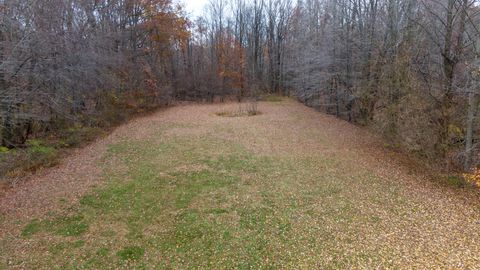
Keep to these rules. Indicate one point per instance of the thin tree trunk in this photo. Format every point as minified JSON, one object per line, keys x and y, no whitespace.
{"x":472,"y":111}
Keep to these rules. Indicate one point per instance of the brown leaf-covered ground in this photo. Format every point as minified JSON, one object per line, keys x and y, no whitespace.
{"x":289,"y":188}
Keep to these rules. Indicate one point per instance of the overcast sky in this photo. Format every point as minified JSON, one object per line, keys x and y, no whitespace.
{"x":195,"y":7}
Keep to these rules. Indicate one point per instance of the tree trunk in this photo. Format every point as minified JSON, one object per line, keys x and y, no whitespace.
{"x":472,"y":111}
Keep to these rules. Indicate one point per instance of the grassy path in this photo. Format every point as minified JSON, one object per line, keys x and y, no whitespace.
{"x":185,"y":188}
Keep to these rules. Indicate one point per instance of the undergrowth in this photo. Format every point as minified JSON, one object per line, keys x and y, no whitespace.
{"x":47,"y":148}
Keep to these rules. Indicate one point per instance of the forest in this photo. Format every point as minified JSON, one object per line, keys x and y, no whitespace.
{"x":408,"y":69}
{"x":250,"y":134}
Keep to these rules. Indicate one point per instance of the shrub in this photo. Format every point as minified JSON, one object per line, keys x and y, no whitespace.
{"x":456,"y":181}
{"x":17,"y":162}
{"x":38,"y":155}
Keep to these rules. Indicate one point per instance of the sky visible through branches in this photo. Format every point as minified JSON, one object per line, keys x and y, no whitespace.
{"x":195,"y":7}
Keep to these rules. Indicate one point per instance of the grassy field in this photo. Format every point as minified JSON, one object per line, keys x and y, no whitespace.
{"x":284,"y":189}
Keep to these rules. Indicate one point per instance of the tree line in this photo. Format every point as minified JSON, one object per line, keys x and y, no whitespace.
{"x":409,"y":69}
{"x":88,"y":62}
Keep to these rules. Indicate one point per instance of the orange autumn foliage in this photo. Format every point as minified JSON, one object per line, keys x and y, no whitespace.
{"x":165,"y":24}
{"x":231,"y":69}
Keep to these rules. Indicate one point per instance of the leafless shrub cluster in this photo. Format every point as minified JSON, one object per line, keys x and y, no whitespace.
{"x":249,"y":108}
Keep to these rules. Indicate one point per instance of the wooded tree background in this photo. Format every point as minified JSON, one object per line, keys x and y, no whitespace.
{"x":409,"y":69}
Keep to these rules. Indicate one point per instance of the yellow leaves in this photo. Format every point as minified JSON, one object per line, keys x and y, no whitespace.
{"x":473,"y":177}
{"x":455,"y":130}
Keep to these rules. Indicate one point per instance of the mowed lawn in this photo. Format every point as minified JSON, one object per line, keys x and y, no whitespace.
{"x":290,"y":188}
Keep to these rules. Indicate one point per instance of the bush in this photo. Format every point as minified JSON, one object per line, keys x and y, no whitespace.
{"x":38,"y":155}
{"x":18,"y":162}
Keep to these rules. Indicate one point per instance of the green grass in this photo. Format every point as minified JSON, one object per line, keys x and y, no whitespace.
{"x":62,"y":225}
{"x":455,"y":181}
{"x":69,"y":226}
{"x":131,"y":253}
{"x":198,"y":202}
{"x":31,"y":228}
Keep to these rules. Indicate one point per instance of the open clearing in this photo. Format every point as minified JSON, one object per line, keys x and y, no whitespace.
{"x":185,"y":188}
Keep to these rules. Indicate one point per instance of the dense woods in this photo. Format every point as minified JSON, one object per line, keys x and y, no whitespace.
{"x":409,"y":69}
{"x":87,"y":62}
